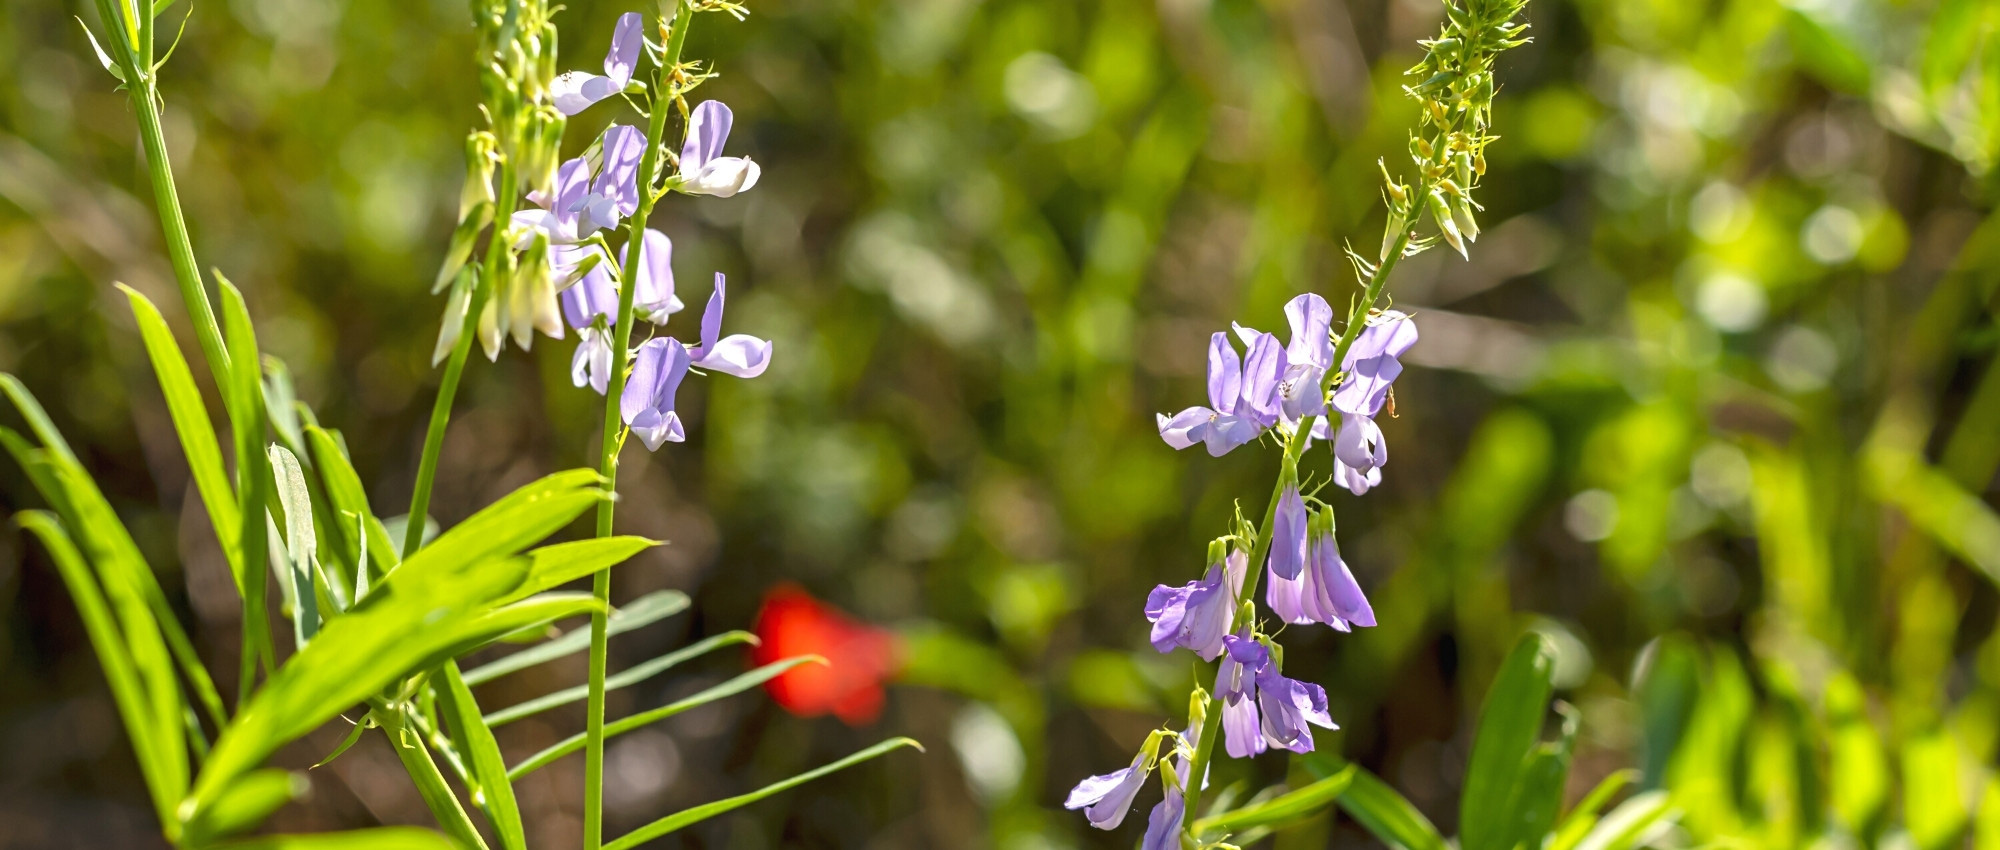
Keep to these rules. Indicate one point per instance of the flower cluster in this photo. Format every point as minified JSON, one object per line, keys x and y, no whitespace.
{"x":1312,"y":386}
{"x":561,"y":273}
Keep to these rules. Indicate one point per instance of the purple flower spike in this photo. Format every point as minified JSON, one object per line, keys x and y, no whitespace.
{"x":1287,"y":706}
{"x":1105,"y":799}
{"x":575,"y":91}
{"x":1163,"y":826}
{"x":1288,"y":535}
{"x":703,"y":168}
{"x":742,"y":355}
{"x":648,"y":402}
{"x":653,"y":299}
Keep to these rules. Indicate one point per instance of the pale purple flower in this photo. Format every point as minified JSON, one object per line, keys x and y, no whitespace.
{"x":1307,"y":357}
{"x":556,"y":214}
{"x":648,"y":401}
{"x":575,"y":91}
{"x":591,"y":297}
{"x":1372,"y":368}
{"x":1325,"y":591}
{"x":1105,"y":799}
{"x":1196,"y":615}
{"x":1288,"y":534}
{"x":1232,"y":419}
{"x":615,"y":192}
{"x":1287,"y":706}
{"x":1236,"y":687}
{"x":742,"y":355}
{"x":703,"y":168}
{"x":1163,"y":825}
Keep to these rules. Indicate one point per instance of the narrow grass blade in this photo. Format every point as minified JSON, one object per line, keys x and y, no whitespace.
{"x":689,"y":817}
{"x":643,"y":611}
{"x":353,"y":737}
{"x":301,"y":542}
{"x":638,"y":673}
{"x":1280,"y":810}
{"x":1510,"y":723}
{"x":343,"y":486}
{"x":726,"y":689}
{"x":379,"y":838}
{"x":493,"y":792}
{"x":1386,"y":815}
{"x":431,"y":786}
{"x":253,"y":482}
{"x":192,"y":425}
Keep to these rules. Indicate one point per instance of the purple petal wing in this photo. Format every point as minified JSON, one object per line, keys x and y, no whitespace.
{"x":1263,"y":372}
{"x":1225,"y":374}
{"x":1312,"y":320}
{"x":708,"y":130}
{"x":1185,"y":428}
{"x":623,"y":56}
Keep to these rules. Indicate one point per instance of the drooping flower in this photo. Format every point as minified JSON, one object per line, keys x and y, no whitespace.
{"x":1372,"y":366}
{"x":1163,"y":825}
{"x":647,"y":404}
{"x":593,"y":296}
{"x":615,"y":192}
{"x":1196,"y":615}
{"x":742,"y":355}
{"x":1107,"y":797}
{"x":1236,"y":687}
{"x":858,"y":657}
{"x":1325,"y":591}
{"x":1242,"y":398}
{"x":1288,"y":534}
{"x":575,"y":91}
{"x":1287,"y":706}
{"x":703,"y":168}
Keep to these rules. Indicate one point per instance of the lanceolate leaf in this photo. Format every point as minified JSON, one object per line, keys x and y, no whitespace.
{"x":701,"y":813}
{"x":301,"y":543}
{"x":643,"y":611}
{"x":1280,"y":810}
{"x":552,"y":566}
{"x":730,"y":688}
{"x":495,"y":794}
{"x":246,"y":416}
{"x":1387,"y":816}
{"x":505,"y":527}
{"x":380,"y":838}
{"x":192,"y":425}
{"x":636,"y":674}
{"x":246,"y":804}
{"x":1509,"y":725}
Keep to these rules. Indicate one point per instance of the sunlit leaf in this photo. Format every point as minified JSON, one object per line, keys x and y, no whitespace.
{"x":643,"y":611}
{"x":689,"y":817}
{"x":1509,"y":725}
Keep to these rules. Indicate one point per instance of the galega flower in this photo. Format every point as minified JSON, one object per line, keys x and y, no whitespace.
{"x":615,"y":192}
{"x":1325,"y":591}
{"x":1372,"y":366}
{"x":742,"y":355}
{"x":1196,"y":615}
{"x":703,"y":168}
{"x":1106,"y":798}
{"x":648,"y":401}
{"x":1261,"y":708}
{"x":1288,"y":535}
{"x":1242,"y":394}
{"x":594,"y":296}
{"x":575,"y":91}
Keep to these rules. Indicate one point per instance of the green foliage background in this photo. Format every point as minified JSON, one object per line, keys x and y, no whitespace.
{"x":1722,"y":369}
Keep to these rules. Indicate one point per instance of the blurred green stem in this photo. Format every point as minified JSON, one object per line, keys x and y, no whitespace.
{"x":666,"y":95}
{"x":454,"y":368}
{"x":1288,"y":473}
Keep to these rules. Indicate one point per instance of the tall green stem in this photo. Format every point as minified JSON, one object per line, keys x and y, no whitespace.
{"x":454,"y":368}
{"x":664,"y":99}
{"x":1288,"y":473}
{"x":180,"y":251}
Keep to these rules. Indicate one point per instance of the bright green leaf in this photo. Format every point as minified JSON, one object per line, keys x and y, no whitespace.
{"x":703,"y":812}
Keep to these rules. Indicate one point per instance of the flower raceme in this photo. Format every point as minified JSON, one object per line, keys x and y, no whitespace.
{"x":1262,"y":709}
{"x":1270,"y":383}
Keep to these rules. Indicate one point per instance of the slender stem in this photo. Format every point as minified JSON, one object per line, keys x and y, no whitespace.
{"x":416,"y":757}
{"x":180,"y":250}
{"x":1288,"y":472}
{"x":454,"y":368}
{"x":621,"y":345}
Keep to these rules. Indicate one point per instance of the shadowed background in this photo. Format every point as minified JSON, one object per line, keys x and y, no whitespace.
{"x":1721,"y":368}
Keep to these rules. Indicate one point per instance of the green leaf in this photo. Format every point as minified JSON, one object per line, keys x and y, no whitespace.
{"x":301,"y":543}
{"x":192,"y":425}
{"x":638,"y":673}
{"x":510,"y":525}
{"x":1625,"y":825}
{"x":245,"y":804}
{"x":1933,"y":804}
{"x":1828,"y":54}
{"x":1509,"y":725}
{"x":643,"y":611}
{"x":379,"y":838}
{"x":618,"y":727}
{"x":353,"y":737}
{"x":253,"y":479}
{"x":550,"y":567}
{"x":1386,"y":815}
{"x":1578,"y":822}
{"x":703,"y":812}
{"x":127,"y":690}
{"x":493,"y":792}
{"x":1539,"y":797}
{"x":1280,"y":810}
{"x":343,"y":486}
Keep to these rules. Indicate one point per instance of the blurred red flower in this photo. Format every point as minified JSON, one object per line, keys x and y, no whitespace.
{"x":859,"y":657}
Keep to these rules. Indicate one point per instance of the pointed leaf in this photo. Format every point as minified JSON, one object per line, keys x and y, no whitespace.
{"x":1387,"y":816}
{"x":246,"y":804}
{"x":643,"y":611}
{"x":192,"y":425}
{"x":637,"y":674}
{"x":1509,"y":725}
{"x":493,"y":793}
{"x":1282,"y":809}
